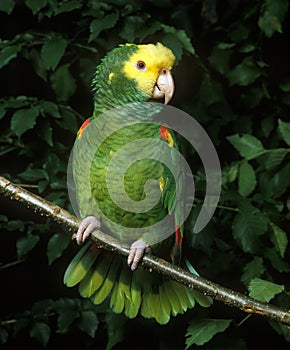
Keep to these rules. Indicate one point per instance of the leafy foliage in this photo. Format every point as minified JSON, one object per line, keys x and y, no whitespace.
{"x":232,"y":75}
{"x":264,"y":290}
{"x":201,"y":331}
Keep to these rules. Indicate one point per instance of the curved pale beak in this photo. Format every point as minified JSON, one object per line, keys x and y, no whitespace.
{"x":164,"y":86}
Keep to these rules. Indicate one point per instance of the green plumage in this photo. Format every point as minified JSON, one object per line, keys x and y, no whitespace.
{"x":102,"y":274}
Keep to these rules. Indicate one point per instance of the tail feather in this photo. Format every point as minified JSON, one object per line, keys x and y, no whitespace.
{"x":176,"y":307}
{"x":116,"y":304}
{"x":81,"y":264}
{"x":156,"y":308}
{"x":101,"y":294}
{"x":95,"y":278}
{"x":164,"y":300}
{"x":121,"y":293}
{"x":202,"y":299}
{"x":102,"y":274}
{"x":182,"y":296}
{"x":135,"y":303}
{"x":190,"y":297}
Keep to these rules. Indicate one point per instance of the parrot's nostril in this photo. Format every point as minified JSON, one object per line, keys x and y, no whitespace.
{"x":164,"y":71}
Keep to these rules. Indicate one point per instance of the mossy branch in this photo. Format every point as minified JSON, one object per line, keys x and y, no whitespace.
{"x":105,"y":241}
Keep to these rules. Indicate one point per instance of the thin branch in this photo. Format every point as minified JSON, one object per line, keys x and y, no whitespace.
{"x":105,"y":241}
{"x":12,"y":264}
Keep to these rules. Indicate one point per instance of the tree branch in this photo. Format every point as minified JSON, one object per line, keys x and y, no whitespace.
{"x":105,"y":241}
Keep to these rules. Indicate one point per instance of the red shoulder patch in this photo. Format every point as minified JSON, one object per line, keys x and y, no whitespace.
{"x":166,"y":135}
{"x":82,"y":128}
{"x":163,"y":132}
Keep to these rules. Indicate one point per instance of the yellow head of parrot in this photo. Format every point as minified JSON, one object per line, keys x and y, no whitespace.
{"x":150,"y":66}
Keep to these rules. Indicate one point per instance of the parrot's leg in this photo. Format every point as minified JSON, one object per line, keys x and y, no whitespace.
{"x":90,"y":223}
{"x":137,"y":250}
{"x":87,"y":226}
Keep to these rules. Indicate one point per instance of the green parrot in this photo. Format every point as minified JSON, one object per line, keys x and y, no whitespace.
{"x":127,"y":78}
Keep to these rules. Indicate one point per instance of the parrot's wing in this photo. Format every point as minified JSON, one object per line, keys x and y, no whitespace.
{"x":172,"y":193}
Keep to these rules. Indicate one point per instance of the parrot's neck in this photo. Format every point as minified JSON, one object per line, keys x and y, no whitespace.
{"x":104,"y":102}
{"x":130,"y":106}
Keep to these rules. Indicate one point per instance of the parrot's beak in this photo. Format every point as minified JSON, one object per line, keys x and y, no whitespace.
{"x":164,"y":86}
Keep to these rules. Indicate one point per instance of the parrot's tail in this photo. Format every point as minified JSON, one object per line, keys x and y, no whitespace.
{"x":101,"y":274}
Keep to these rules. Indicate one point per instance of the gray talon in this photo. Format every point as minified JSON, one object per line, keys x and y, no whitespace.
{"x":86,"y":228}
{"x":137,"y":250}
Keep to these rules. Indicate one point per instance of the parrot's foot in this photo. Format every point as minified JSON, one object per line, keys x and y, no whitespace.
{"x":86,"y":228}
{"x":137,"y":250}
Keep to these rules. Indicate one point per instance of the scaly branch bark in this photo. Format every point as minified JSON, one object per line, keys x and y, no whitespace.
{"x":214,"y":290}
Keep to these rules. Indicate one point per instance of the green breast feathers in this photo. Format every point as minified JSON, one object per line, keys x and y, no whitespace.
{"x":124,"y":184}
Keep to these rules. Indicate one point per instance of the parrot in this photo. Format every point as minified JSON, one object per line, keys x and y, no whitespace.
{"x":130,"y":79}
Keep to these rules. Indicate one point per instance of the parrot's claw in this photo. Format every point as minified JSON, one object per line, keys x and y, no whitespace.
{"x":137,"y":250}
{"x":86,"y":228}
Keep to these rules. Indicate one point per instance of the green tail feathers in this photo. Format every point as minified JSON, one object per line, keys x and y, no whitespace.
{"x":102,"y":274}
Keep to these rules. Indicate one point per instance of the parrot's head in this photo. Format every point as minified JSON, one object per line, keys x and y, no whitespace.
{"x":134,"y":73}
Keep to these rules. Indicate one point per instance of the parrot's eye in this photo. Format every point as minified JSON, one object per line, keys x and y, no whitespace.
{"x":141,"y":65}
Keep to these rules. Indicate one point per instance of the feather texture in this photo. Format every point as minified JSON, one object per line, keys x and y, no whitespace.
{"x":102,"y":275}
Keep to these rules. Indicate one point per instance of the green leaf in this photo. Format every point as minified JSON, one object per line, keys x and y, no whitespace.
{"x":3,"y":335}
{"x":89,"y":322}
{"x":281,"y":329}
{"x":201,"y":331}
{"x":248,"y":146}
{"x":244,"y":73}
{"x":132,"y":28}
{"x":7,"y":6}
{"x":34,"y":56}
{"x":23,"y":120}
{"x":211,"y":91}
{"x":40,"y":331}
{"x":15,"y":225}
{"x":56,"y":245}
{"x":65,"y":319}
{"x":116,"y":328}
{"x":285,"y":86}
{"x":247,"y":179}
{"x":35,"y":5}
{"x":52,"y":165}
{"x":68,"y":120}
{"x":68,"y":310}
{"x":45,"y":132}
{"x":281,"y":181}
{"x":8,"y":53}
{"x":276,"y":260}
{"x":3,"y":108}
{"x":170,"y":41}
{"x":275,"y":157}
{"x":273,"y":16}
{"x":63,"y":83}
{"x":20,"y":324}
{"x":225,"y":46}
{"x":33,"y":175}
{"x":40,"y":308}
{"x":182,"y":37}
{"x":98,"y":25}
{"x":177,"y":40}
{"x":25,"y":244}
{"x":284,"y":129}
{"x":50,"y":108}
{"x":279,"y":238}
{"x":248,"y":225}
{"x":264,"y":290}
{"x":254,"y":268}
{"x":52,"y":52}
{"x":219,"y":59}
{"x":68,"y":6}
{"x":232,"y":172}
